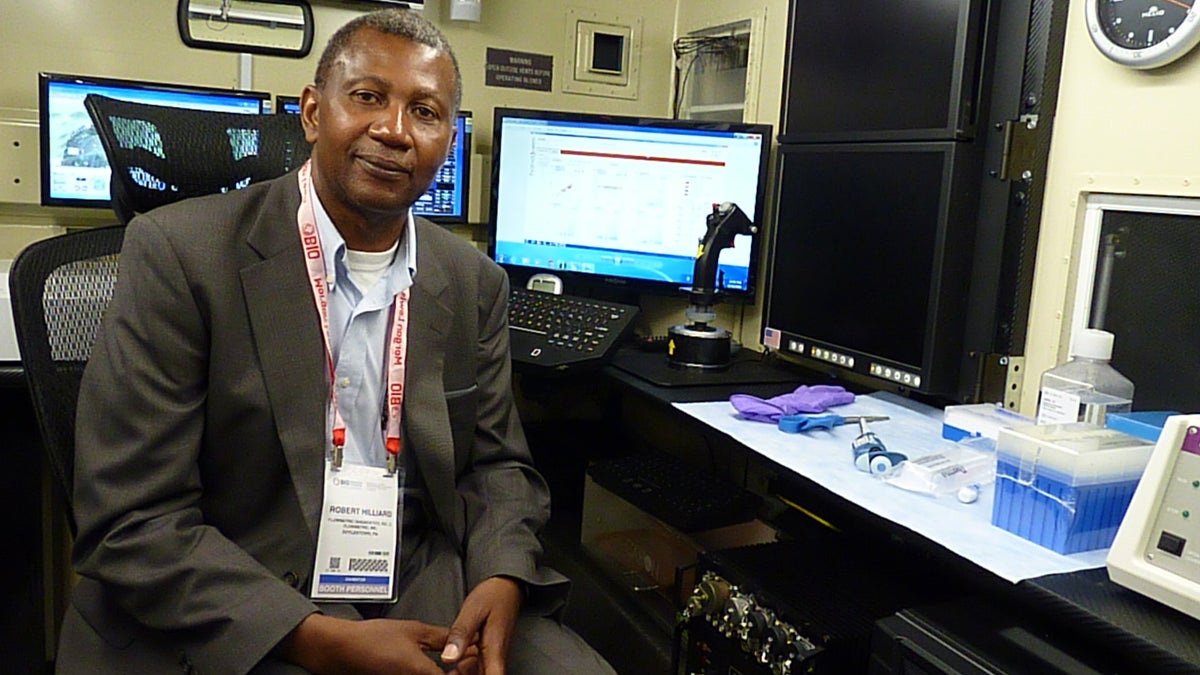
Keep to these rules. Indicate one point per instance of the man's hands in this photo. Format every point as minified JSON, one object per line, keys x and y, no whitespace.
{"x":488,"y":614}
{"x":477,"y":642}
{"x":323,"y":644}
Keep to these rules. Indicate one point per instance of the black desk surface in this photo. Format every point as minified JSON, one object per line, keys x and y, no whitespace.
{"x":1158,"y":636}
{"x":1162,"y":639}
{"x":749,"y":373}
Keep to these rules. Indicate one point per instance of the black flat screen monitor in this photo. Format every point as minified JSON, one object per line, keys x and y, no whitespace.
{"x":861,"y":70}
{"x":287,"y":105}
{"x":871,"y":259}
{"x":618,"y":205}
{"x":447,"y":199}
{"x":74,"y":168}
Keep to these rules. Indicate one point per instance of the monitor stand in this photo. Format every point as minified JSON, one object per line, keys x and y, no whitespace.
{"x":747,"y":367}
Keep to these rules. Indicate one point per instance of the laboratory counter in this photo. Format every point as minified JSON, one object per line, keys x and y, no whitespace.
{"x":812,"y":476}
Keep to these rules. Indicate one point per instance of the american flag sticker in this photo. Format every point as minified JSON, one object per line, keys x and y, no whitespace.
{"x":771,"y":338}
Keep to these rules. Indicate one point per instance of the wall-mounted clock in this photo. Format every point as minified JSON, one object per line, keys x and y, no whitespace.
{"x":1143,"y":33}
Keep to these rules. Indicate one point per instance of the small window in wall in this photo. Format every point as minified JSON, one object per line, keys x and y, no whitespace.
{"x":712,"y":68}
{"x":603,"y":54}
{"x":1138,"y":279}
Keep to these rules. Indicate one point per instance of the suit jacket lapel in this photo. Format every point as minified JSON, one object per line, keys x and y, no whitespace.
{"x":288,"y":341}
{"x":425,"y":411}
{"x":287,"y":338}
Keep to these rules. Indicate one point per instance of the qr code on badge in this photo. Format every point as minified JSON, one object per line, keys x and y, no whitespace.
{"x":335,"y":562}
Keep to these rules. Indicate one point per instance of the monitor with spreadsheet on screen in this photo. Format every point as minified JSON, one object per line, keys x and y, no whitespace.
{"x":619,"y":204}
{"x":74,"y":168}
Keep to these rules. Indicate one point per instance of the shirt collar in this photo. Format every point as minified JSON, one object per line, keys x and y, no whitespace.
{"x":333,"y":246}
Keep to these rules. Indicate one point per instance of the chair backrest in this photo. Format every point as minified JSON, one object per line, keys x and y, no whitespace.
{"x":60,"y":288}
{"x":160,"y":155}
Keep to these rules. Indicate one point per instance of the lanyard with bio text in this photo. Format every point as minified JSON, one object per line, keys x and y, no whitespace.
{"x":397,"y":342}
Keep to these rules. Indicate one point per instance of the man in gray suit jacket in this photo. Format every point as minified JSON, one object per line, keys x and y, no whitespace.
{"x":205,"y":450}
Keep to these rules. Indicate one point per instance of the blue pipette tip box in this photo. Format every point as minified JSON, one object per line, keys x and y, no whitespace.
{"x":1066,"y":486}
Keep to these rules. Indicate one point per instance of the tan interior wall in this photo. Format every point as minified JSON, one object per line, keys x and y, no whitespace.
{"x":137,"y":39}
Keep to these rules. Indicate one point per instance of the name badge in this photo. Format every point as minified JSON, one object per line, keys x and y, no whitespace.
{"x":357,"y":544}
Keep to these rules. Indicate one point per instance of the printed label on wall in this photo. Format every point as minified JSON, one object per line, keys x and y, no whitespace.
{"x":518,"y":70}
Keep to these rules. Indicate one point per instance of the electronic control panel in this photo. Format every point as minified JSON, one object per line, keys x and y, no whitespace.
{"x":765,"y":641}
{"x":790,"y":607}
{"x":1157,"y":548}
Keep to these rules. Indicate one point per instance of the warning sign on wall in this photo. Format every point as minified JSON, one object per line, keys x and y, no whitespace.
{"x":518,"y":70}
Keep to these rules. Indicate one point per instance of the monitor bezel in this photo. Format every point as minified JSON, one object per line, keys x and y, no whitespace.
{"x":283,"y":99}
{"x":625,"y":288}
{"x":945,"y":308}
{"x":957,"y":81}
{"x":46,"y":79}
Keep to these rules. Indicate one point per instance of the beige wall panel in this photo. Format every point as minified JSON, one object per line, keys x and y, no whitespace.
{"x":113,"y":38}
{"x":1117,"y":130}
{"x":18,"y":155}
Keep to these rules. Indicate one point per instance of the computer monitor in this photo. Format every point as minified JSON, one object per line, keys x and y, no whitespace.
{"x":446,"y":200}
{"x":617,"y":205}
{"x":74,"y":168}
{"x":871,"y":259}
{"x":287,"y":105}
{"x":883,"y":71}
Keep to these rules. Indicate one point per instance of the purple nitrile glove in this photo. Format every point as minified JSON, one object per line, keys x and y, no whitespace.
{"x":805,"y":399}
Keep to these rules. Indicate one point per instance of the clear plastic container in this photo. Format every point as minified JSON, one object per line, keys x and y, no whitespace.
{"x":1086,"y":388}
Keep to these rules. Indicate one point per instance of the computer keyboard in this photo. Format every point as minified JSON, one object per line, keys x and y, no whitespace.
{"x":564,"y":332}
{"x":674,"y":491}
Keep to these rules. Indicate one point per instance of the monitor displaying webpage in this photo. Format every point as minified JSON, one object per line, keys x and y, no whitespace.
{"x":621,"y":200}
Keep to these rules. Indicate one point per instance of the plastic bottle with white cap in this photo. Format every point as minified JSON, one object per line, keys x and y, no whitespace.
{"x":1087,"y":387}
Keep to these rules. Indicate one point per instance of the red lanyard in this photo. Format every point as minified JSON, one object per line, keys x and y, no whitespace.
{"x":397,"y":343}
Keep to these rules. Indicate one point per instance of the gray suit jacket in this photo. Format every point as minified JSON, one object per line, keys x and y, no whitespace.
{"x":201,"y":435}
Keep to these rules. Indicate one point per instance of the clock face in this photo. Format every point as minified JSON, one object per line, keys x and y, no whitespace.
{"x":1137,"y":24}
{"x":1143,"y":33}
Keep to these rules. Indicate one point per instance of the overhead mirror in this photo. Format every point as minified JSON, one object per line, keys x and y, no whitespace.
{"x":276,"y":27}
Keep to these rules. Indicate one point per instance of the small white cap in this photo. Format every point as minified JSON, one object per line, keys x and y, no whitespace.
{"x":1092,"y":343}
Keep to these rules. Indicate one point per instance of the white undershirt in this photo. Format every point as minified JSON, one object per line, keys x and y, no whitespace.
{"x":366,"y":267}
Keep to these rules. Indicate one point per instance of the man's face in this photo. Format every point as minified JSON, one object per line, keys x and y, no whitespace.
{"x":381,"y":126}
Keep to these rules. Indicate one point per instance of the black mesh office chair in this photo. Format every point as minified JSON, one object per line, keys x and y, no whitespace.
{"x":161,"y":155}
{"x":60,"y":288}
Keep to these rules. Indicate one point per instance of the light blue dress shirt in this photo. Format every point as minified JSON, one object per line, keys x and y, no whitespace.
{"x":359,"y":321}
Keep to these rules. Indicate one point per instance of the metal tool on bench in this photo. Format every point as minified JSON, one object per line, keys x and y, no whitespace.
{"x":794,"y":424}
{"x":870,"y":454}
